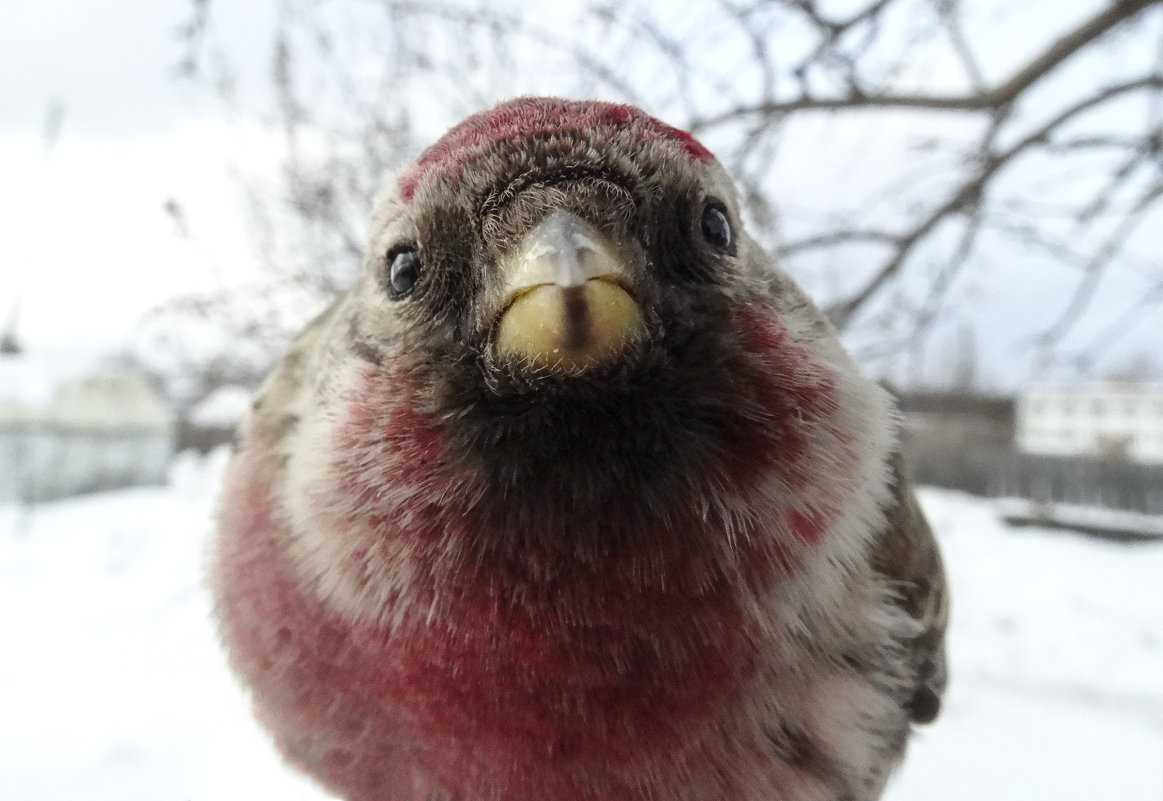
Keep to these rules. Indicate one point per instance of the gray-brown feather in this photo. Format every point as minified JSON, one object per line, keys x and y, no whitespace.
{"x":907,"y":554}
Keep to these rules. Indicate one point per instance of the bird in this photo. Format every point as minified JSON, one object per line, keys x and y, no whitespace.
{"x":575,"y":494}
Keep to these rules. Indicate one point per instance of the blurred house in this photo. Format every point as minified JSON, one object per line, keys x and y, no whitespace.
{"x":1108,"y":421}
{"x":62,"y":438}
{"x":1092,"y":446}
{"x":212,"y":421}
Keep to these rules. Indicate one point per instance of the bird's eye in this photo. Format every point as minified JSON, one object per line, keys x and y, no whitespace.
{"x":716,"y":227}
{"x":403,"y":271}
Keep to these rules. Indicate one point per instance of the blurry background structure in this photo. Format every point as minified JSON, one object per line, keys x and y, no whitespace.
{"x":973,"y":189}
{"x":1115,"y":420}
{"x":102,"y":431}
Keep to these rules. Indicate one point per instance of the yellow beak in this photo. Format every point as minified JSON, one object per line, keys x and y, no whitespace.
{"x":566,"y":305}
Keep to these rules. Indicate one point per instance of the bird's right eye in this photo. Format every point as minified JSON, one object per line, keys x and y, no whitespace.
{"x":403,"y":271}
{"x":716,"y":227}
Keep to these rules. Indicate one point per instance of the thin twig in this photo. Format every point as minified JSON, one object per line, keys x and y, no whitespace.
{"x":1001,"y":95}
{"x":968,"y":192}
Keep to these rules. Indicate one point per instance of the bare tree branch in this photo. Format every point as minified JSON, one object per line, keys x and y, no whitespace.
{"x":949,"y":12}
{"x":970,"y":191}
{"x":1037,"y":68}
{"x":841,"y":236}
{"x":1084,"y":292}
{"x":1125,"y":320}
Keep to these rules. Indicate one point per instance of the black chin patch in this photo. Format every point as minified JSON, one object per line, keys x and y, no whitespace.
{"x":625,"y":440}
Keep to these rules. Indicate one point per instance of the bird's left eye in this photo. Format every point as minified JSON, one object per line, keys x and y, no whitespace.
{"x":403,"y":271}
{"x":716,"y":227}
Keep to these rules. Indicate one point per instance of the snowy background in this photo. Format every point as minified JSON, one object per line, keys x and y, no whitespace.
{"x":120,"y":189}
{"x":113,"y":688}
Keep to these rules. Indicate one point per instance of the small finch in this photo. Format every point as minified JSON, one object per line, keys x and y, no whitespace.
{"x":575,"y":496}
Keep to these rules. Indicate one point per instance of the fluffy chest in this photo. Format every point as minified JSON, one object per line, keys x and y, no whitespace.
{"x":573,"y":668}
{"x":388,"y":649}
{"x":543,"y":688}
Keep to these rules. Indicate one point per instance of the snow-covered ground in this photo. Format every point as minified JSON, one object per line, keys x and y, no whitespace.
{"x":112,"y":687}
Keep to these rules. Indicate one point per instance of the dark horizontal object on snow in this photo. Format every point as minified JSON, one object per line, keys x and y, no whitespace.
{"x":1117,"y":526}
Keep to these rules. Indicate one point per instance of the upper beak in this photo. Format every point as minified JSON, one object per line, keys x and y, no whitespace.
{"x":566,"y":301}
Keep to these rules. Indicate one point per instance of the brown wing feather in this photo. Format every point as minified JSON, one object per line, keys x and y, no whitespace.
{"x":907,"y":554}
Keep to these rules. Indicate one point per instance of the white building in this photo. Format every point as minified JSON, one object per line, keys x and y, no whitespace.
{"x":1113,"y":420}
{"x":61,"y":438}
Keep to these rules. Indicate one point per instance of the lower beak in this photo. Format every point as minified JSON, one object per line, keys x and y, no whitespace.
{"x":566,"y":301}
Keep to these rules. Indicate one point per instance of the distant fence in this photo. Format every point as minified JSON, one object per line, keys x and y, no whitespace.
{"x":993,"y":471}
{"x":41,"y":463}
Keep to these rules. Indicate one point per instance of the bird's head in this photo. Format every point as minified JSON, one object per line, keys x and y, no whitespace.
{"x":562,"y":277}
{"x":563,"y":330}
{"x":555,"y":238}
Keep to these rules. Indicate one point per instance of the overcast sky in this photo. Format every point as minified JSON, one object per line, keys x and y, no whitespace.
{"x":85,"y":243}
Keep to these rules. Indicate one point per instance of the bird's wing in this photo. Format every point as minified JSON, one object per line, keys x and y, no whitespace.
{"x":907,"y":555}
